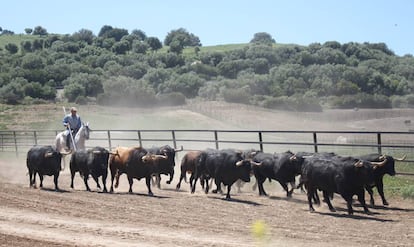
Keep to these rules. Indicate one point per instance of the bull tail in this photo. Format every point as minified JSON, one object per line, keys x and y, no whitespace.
{"x":117,"y":179}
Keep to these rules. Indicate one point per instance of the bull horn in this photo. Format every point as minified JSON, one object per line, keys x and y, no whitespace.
{"x":159,"y":156}
{"x":255,"y":163}
{"x":382,"y":157}
{"x":359,"y":163}
{"x":152,"y":157}
{"x":178,"y":150}
{"x":239,"y":163}
{"x":66,"y":153}
{"x":96,"y":152}
{"x":48,"y":154}
{"x":293,"y":157}
{"x":378,"y":164}
{"x":402,"y":158}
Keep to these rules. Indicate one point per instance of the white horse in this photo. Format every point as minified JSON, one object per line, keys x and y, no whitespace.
{"x":81,"y":136}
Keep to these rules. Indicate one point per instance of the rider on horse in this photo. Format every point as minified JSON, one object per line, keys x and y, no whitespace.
{"x":72,"y":122}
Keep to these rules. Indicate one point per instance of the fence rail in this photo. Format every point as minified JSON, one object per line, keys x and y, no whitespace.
{"x":341,"y":142}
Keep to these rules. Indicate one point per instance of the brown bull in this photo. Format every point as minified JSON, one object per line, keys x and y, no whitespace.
{"x":117,"y":163}
{"x":188,"y":165}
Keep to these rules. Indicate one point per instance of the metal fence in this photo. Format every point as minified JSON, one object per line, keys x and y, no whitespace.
{"x":341,"y":142}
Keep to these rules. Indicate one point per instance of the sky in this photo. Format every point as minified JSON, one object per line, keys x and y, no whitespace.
{"x":218,"y":22}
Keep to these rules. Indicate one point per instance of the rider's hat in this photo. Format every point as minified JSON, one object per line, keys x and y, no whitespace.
{"x":73,"y":109}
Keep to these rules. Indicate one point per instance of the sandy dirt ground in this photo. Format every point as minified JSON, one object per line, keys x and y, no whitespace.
{"x":75,"y":217}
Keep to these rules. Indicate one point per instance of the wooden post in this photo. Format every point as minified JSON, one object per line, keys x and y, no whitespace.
{"x":173,"y":139}
{"x":315,"y":142}
{"x":15,"y":143}
{"x":109,"y":139}
{"x":140,"y":138}
{"x":379,"y":143}
{"x":35,"y":137}
{"x":260,"y":141}
{"x":216,"y":139}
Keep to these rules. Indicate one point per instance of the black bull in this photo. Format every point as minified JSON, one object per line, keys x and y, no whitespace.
{"x":224,"y":166}
{"x":282,"y":167}
{"x":43,"y":160}
{"x":346,"y":176}
{"x":165,"y":166}
{"x":387,"y":168}
{"x":142,"y":164}
{"x":92,"y":162}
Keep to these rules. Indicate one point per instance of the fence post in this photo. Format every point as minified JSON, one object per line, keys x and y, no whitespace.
{"x":35,"y":137}
{"x":109,"y":139}
{"x":260,"y":141}
{"x":216,"y":139}
{"x":15,"y":143}
{"x":315,"y":142}
{"x":173,"y":139}
{"x":379,"y":143}
{"x":139,"y":138}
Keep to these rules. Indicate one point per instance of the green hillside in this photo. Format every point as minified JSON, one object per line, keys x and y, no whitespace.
{"x":129,"y":69}
{"x":15,"y":39}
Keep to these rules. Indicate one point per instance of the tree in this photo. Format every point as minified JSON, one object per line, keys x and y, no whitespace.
{"x":139,"y":34}
{"x":72,"y":91}
{"x":104,"y":30}
{"x":121,"y":47}
{"x":154,"y":43}
{"x":7,"y":32}
{"x":176,"y":46}
{"x":116,"y":33}
{"x":39,"y":30}
{"x":183,"y":37}
{"x":37,"y":44}
{"x":91,"y":84}
{"x":28,"y":30}
{"x":13,"y":92}
{"x":26,"y":46}
{"x":263,"y":38}
{"x":140,"y":47}
{"x":187,"y":84}
{"x":84,"y":35}
{"x":12,"y":48}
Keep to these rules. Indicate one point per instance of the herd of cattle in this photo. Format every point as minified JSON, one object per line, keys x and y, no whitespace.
{"x":327,"y":172}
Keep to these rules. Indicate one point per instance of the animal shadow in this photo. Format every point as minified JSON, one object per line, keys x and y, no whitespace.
{"x":53,"y":190}
{"x":387,"y":208}
{"x":290,"y":199}
{"x":236,"y":200}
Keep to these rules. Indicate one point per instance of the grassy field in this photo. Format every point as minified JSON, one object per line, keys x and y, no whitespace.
{"x":15,"y":39}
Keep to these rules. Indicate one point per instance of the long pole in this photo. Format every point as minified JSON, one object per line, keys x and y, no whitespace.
{"x":70,"y":132}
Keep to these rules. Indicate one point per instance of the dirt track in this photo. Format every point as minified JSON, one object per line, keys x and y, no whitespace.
{"x":43,"y":217}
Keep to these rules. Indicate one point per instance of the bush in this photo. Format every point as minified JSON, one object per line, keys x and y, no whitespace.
{"x":81,"y":100}
{"x":361,"y":100}
{"x":278,"y":103}
{"x":236,"y":95}
{"x":171,"y":99}
{"x":295,"y":103}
